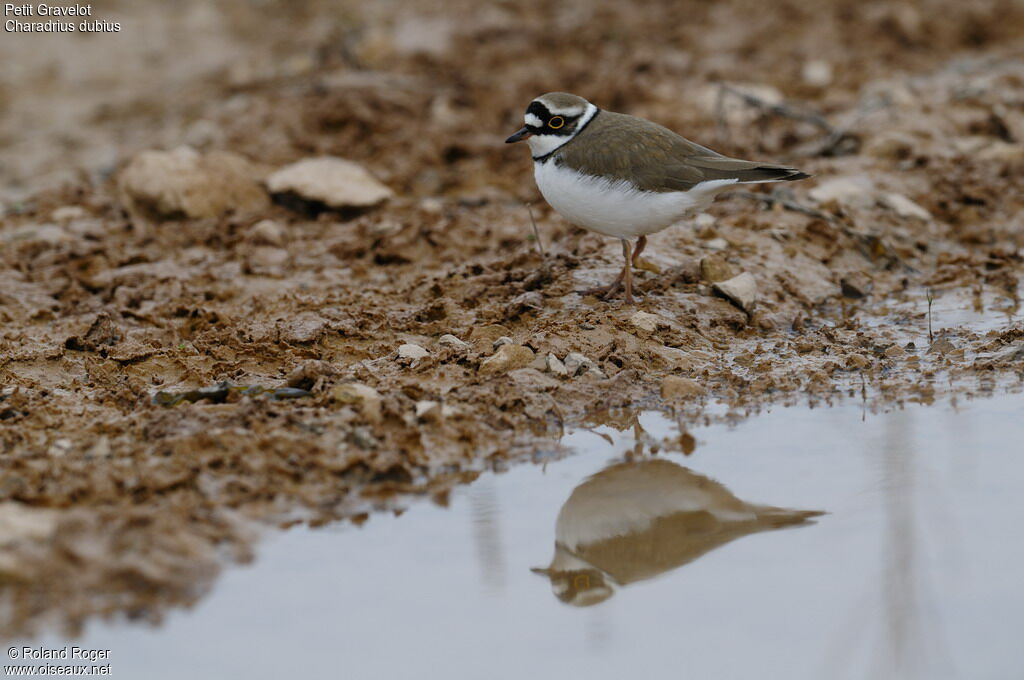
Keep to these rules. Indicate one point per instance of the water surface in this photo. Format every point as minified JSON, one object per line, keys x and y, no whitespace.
{"x":914,"y":572}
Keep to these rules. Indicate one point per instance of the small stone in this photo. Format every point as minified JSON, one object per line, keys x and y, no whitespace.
{"x":856,"y":285}
{"x":268,"y":256}
{"x":816,"y":73}
{"x":714,"y":268}
{"x":335,"y":182}
{"x":449,"y":340}
{"x":507,"y":358}
{"x":267,"y":232}
{"x":428,"y":411}
{"x":503,"y":340}
{"x":740,"y":290}
{"x":704,"y":221}
{"x":717,"y":244}
{"x":68,"y":213}
{"x":648,"y":323}
{"x":577,"y":364}
{"x":60,"y":447}
{"x":554,"y":365}
{"x":903,"y":206}
{"x":678,"y":387}
{"x":365,"y":397}
{"x":411,"y":352}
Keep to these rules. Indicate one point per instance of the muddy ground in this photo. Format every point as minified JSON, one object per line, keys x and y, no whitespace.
{"x":124,"y":490}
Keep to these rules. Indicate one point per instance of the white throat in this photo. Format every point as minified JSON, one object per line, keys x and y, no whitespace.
{"x":542,"y":145}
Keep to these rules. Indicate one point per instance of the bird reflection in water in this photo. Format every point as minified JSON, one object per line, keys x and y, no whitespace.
{"x":635,"y":520}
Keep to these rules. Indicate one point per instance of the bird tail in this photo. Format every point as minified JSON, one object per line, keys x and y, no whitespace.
{"x":781,"y":517}
{"x":745,"y":172}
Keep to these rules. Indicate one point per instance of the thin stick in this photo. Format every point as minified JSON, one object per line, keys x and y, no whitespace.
{"x":536,"y":232}
{"x":931,"y":299}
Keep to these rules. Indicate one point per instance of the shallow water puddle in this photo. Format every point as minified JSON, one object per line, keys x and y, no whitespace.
{"x":664,"y":566}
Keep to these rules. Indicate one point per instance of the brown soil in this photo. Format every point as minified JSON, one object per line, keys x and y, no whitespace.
{"x":113,"y":502}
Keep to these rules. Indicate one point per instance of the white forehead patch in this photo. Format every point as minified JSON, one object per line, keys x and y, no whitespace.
{"x":533,"y":120}
{"x":567,"y":111}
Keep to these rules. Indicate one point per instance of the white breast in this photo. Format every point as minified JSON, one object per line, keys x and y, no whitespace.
{"x":617,"y":208}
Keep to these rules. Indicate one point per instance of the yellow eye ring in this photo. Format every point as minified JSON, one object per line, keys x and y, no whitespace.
{"x":556,"y":123}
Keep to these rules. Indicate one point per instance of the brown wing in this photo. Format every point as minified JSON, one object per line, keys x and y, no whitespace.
{"x":656,"y":159}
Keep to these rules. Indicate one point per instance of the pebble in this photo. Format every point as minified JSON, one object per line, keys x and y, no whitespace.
{"x":903,"y":206}
{"x":411,"y":352}
{"x":365,"y":397}
{"x":554,"y":365}
{"x":503,"y":340}
{"x":714,"y":268}
{"x":335,"y":182}
{"x":68,"y":213}
{"x":740,"y":290}
{"x":267,"y":232}
{"x":704,"y":221}
{"x":507,"y":358}
{"x":577,"y":364}
{"x":449,"y":340}
{"x":649,"y":323}
{"x":678,"y":387}
{"x":717,"y":244}
{"x":817,"y":73}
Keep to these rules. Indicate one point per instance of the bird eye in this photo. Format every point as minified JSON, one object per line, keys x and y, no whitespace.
{"x":556,"y":122}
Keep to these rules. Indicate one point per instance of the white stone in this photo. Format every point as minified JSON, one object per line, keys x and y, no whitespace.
{"x":846,"y":191}
{"x":903,"y":206}
{"x":554,"y":365}
{"x":412,"y":352}
{"x":335,"y":182}
{"x":817,"y":73}
{"x":267,"y":232}
{"x":449,"y":340}
{"x":740,"y":290}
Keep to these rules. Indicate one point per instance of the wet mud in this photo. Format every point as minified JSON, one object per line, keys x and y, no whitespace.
{"x":179,"y":370}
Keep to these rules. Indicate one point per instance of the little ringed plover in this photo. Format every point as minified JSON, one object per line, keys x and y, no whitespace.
{"x":624,"y":176}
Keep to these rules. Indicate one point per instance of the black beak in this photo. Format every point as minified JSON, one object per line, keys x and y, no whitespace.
{"x":519,"y":136}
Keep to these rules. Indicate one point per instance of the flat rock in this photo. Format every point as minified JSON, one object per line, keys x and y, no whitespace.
{"x":185,"y":183}
{"x":507,"y":358}
{"x":675,"y":387}
{"x":740,"y":290}
{"x":335,"y":182}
